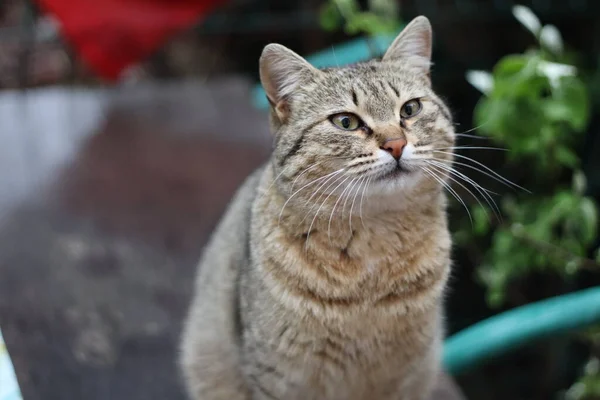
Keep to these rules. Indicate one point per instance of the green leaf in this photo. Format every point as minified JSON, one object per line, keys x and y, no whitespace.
{"x":530,"y":87}
{"x":566,"y":157}
{"x":481,"y":220}
{"x":330,"y":18}
{"x":503,"y":241}
{"x":557,"y":110}
{"x":573,"y":97}
{"x":590,"y":219}
{"x":579,"y":182}
{"x":495,"y":298}
{"x":510,"y":65}
{"x":572,"y":267}
{"x":388,"y":8}
{"x":347,"y":7}
{"x":369,"y":23}
{"x":535,"y":107}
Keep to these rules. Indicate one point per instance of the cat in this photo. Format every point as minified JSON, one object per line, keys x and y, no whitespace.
{"x":325,"y":278}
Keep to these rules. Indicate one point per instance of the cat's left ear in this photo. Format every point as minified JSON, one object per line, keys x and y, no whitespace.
{"x":413,"y":44}
{"x":281,"y":72}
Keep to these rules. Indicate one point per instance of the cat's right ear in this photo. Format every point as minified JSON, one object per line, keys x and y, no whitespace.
{"x":281,"y":71}
{"x":413,"y":44}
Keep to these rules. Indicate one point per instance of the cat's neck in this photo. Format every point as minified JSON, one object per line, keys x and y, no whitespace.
{"x":393,"y":260}
{"x":341,"y":217}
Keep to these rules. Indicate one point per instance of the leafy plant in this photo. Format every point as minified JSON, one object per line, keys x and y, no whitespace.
{"x":381,"y":17}
{"x":537,"y":105}
{"x":588,"y":385}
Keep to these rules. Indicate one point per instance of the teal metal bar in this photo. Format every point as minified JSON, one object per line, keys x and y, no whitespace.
{"x":347,"y":53}
{"x":524,"y":325}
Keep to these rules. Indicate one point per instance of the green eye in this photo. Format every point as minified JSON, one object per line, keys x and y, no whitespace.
{"x":411,"y":108}
{"x":346,"y":121}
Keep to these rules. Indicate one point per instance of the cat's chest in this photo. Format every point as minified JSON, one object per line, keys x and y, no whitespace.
{"x":307,"y":365}
{"x":370,"y":256}
{"x":369,"y":267}
{"x":364,"y":245}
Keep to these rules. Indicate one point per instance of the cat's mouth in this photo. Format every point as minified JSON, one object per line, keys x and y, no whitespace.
{"x":395,"y":172}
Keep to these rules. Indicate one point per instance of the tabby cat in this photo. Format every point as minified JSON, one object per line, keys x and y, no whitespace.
{"x":325,"y":277}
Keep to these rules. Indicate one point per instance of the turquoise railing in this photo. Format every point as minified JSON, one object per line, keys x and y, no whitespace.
{"x":513,"y":329}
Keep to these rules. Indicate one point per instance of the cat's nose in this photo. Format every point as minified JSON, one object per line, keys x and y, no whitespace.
{"x":395,"y":147}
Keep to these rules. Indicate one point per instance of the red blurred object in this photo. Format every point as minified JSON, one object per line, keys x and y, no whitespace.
{"x":111,"y":35}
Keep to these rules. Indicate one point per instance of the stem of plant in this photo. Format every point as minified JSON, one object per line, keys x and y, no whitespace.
{"x":582,"y":262}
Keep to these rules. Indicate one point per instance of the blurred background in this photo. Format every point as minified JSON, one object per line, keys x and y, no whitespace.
{"x":125,"y":127}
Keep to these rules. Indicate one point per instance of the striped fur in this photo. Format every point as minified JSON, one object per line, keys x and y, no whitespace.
{"x":325,"y":278}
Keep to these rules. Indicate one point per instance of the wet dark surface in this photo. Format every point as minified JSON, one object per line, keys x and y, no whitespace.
{"x":106,"y":201}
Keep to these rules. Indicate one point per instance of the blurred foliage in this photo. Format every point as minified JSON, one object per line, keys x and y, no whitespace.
{"x":588,"y":386}
{"x":537,"y":105}
{"x":381,"y":17}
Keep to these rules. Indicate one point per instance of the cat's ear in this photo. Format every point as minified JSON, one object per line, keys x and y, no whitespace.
{"x":281,"y":71}
{"x":413,"y":44}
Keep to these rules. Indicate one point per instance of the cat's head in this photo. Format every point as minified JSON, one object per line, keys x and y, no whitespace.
{"x":377,"y":123}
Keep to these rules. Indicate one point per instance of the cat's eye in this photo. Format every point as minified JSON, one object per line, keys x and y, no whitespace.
{"x":411,"y":108}
{"x":346,"y":121}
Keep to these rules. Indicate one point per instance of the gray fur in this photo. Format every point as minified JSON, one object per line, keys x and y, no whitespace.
{"x":324,"y":280}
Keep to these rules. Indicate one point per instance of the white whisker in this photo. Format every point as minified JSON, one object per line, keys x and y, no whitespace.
{"x":365,"y":188}
{"x":319,"y":209}
{"x":470,"y":148}
{"x":359,"y":182}
{"x":305,"y":186}
{"x":363,"y":179}
{"x":471,"y":136}
{"x":314,"y":165}
{"x":274,"y":180}
{"x":321,"y":194}
{"x":335,"y":205}
{"x":481,"y":190}
{"x":499,"y":177}
{"x":449,"y":189}
{"x":472,"y":129}
{"x":334,"y":56}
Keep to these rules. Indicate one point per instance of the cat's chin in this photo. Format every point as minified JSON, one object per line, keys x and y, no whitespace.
{"x":395,"y":181}
{"x":394,"y":174}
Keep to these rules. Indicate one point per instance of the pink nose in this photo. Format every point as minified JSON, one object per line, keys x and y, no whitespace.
{"x":395,"y":147}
